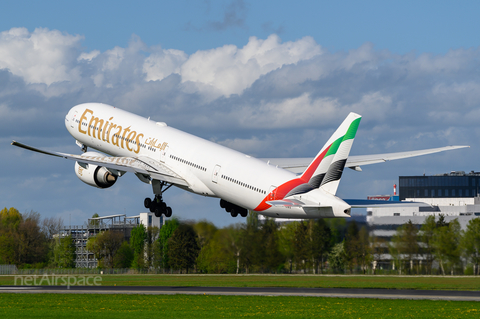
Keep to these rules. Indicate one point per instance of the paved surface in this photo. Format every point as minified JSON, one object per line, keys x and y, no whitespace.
{"x":243,"y":291}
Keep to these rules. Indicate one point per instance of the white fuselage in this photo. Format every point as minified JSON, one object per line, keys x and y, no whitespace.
{"x":209,"y":168}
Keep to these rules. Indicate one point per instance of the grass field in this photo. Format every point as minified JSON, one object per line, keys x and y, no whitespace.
{"x":205,"y":306}
{"x":314,"y":281}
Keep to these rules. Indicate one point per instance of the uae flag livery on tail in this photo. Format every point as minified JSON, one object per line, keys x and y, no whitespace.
{"x":326,"y":169}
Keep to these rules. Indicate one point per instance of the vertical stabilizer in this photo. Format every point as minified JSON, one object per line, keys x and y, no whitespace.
{"x":326,"y":169}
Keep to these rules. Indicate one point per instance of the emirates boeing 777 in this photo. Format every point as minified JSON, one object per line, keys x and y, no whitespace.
{"x":164,"y":156}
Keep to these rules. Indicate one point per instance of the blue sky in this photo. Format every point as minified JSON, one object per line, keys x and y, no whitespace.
{"x":189,"y":25}
{"x":268,"y":78}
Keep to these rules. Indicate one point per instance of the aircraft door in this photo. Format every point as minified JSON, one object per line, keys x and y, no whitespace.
{"x":216,"y":173}
{"x":163,"y":154}
{"x":272,"y":193}
{"x":72,"y":120}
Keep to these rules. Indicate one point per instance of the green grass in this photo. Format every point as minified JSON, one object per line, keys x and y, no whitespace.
{"x":340,"y":281}
{"x":208,"y":306}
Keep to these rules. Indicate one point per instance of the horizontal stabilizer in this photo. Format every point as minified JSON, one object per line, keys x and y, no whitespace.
{"x":286,"y":202}
{"x":364,"y":203}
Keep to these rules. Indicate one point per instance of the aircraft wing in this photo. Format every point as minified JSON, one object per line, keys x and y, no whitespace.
{"x":298,"y":165}
{"x":139,"y":165}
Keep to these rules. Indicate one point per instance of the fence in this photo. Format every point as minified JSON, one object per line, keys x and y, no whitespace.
{"x":8,"y":269}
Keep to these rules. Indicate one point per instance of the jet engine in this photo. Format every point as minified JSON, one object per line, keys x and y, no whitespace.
{"x":94,"y":175}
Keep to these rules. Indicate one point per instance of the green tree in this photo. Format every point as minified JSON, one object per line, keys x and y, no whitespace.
{"x":151,"y":246}
{"x":64,"y":252}
{"x":286,"y":237}
{"x":321,"y":242}
{"x":165,"y":233}
{"x":183,"y":248}
{"x":249,"y":243}
{"x":138,"y":237}
{"x":365,"y":251}
{"x":446,"y":242}
{"x":234,"y":240}
{"x":426,"y":238}
{"x":104,"y":246}
{"x":471,"y":243}
{"x":205,"y":231}
{"x":123,"y":258}
{"x":338,"y":227}
{"x":352,"y":245}
{"x":22,"y":241}
{"x":31,"y":243}
{"x":379,"y":248}
{"x":301,"y":246}
{"x":336,"y":258}
{"x":269,"y":236}
{"x":219,"y":254}
{"x":405,"y":242}
{"x":10,"y":219}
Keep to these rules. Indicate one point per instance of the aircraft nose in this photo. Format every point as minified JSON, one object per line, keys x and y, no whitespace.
{"x":69,"y":118}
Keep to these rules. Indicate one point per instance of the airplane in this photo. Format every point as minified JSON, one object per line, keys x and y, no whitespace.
{"x":163,"y":156}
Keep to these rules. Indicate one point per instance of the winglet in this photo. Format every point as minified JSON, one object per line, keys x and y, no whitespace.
{"x":15,"y":143}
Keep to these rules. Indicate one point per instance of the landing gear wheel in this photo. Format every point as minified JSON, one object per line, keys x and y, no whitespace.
{"x":223,"y":203}
{"x":244,"y":213}
{"x":147,"y":202}
{"x":157,"y":205}
{"x":153,"y":205}
{"x":233,"y":212}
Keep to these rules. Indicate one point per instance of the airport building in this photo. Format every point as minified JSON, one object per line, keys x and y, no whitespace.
{"x":450,"y":185}
{"x":453,"y":195}
{"x":94,"y":226}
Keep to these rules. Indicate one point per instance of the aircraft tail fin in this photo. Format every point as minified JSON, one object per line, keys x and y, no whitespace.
{"x":326,"y":169}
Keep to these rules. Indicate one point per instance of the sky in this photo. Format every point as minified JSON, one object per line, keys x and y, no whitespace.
{"x":267,"y":78}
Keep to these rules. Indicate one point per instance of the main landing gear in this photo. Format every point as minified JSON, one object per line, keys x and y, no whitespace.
{"x":233,"y":209}
{"x":157,"y":205}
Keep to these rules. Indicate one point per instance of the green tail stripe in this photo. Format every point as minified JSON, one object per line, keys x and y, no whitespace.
{"x":333,"y":149}
{"x":352,"y":130}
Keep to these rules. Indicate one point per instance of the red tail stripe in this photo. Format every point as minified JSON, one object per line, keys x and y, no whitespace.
{"x":285,"y":188}
{"x":313,"y":166}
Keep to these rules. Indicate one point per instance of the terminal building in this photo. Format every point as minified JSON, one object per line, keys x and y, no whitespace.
{"x":454,"y":195}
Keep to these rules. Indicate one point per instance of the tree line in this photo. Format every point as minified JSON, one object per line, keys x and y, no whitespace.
{"x":29,"y":242}
{"x":313,"y":246}
{"x":437,"y":247}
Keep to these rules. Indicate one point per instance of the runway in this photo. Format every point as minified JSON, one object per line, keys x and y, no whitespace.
{"x":245,"y":291}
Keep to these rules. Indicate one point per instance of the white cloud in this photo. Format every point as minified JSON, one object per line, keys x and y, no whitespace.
{"x":162,"y":63}
{"x":42,"y":56}
{"x":230,"y":70}
{"x":88,"y":56}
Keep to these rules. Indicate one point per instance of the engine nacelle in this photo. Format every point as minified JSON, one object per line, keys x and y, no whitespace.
{"x":94,"y":175}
